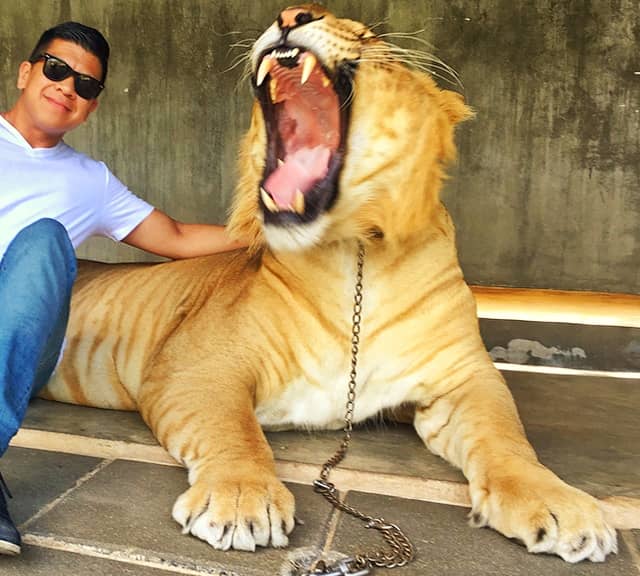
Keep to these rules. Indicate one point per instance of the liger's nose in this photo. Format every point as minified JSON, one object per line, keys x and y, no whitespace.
{"x":294,"y":17}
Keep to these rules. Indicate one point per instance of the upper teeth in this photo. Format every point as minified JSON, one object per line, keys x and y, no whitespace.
{"x":270,"y":60}
{"x":291,"y":53}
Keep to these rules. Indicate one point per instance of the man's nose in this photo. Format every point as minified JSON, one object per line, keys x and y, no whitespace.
{"x":68,"y":86}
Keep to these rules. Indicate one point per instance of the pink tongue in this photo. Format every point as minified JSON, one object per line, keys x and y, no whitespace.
{"x":299,"y":172}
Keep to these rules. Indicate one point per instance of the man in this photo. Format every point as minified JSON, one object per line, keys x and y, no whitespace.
{"x":51,"y":199}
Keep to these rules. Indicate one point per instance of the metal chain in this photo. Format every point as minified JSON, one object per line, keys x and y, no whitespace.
{"x":402,"y":550}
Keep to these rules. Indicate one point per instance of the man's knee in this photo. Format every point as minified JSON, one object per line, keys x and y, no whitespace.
{"x":47,"y":240}
{"x":48,"y":232}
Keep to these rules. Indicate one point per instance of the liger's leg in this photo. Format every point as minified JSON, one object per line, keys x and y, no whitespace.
{"x":204,"y":416}
{"x":476,"y":427}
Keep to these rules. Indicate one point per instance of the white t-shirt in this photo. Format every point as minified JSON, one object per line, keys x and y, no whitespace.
{"x":63,"y":184}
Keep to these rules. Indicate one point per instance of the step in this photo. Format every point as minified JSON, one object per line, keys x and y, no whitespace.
{"x":106,"y":465}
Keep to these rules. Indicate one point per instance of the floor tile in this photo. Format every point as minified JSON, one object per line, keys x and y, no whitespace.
{"x":634,"y":539}
{"x":129,"y":504}
{"x":584,"y":428}
{"x":447,"y":546}
{"x":35,"y":561}
{"x":36,"y":478}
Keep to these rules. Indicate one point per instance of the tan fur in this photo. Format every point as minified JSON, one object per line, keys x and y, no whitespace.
{"x":210,"y":348}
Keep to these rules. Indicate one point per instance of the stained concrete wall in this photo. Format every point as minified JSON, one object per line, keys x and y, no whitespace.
{"x":547,"y":189}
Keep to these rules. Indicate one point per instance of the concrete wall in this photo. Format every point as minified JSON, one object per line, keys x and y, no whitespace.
{"x":547,"y":190}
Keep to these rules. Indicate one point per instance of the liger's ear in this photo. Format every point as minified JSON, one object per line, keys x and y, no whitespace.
{"x":455,"y":110}
{"x":453,"y":104}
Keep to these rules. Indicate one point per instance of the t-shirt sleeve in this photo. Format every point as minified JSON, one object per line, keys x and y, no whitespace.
{"x":123,"y":210}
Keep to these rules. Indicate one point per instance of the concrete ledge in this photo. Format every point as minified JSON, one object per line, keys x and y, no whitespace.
{"x":595,"y":308}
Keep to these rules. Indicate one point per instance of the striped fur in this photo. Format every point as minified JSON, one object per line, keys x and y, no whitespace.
{"x":210,"y":350}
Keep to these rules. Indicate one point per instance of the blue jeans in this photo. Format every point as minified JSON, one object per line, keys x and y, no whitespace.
{"x":36,"y":276}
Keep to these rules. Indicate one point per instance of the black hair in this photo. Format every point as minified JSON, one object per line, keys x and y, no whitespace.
{"x":88,"y":38}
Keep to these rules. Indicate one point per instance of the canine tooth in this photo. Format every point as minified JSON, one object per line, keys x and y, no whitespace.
{"x":265,"y":67}
{"x":280,"y":162}
{"x":325,"y":81}
{"x":307,"y":67}
{"x":273,"y":90}
{"x":298,"y":202}
{"x":268,"y":201}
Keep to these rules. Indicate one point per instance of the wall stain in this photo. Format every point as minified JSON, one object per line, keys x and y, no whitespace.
{"x":546,"y":191}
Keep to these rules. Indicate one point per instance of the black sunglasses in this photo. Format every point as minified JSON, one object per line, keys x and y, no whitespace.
{"x":55,"y":69}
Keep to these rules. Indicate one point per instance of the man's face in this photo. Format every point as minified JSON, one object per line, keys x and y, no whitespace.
{"x":54,"y":108}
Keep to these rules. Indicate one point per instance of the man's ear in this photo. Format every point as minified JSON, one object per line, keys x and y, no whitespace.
{"x":23,"y":74}
{"x":93,"y":105}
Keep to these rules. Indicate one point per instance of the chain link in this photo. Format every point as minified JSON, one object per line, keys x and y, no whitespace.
{"x":402,"y":550}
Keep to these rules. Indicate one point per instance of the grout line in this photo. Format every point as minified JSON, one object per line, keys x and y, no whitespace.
{"x":332,"y":527}
{"x":306,"y":558}
{"x":629,"y":540}
{"x":129,"y":555}
{"x":51,"y":505}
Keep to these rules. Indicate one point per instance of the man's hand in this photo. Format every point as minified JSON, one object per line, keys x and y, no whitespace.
{"x":164,"y":236}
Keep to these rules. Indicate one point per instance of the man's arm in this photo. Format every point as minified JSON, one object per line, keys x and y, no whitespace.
{"x":164,"y":236}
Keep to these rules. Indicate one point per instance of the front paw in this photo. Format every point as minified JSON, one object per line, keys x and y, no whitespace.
{"x":547,"y":515}
{"x":239,"y":512}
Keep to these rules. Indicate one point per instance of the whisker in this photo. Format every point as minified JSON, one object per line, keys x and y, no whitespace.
{"x":418,"y":59}
{"x":246,"y":43}
{"x":377,"y":24}
{"x":244,"y":77}
{"x":256,"y":32}
{"x":233,"y":65}
{"x":348,"y":99}
{"x":437,"y":72}
{"x":413,"y":36}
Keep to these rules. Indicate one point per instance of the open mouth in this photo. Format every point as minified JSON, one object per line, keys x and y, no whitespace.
{"x":306,"y":115}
